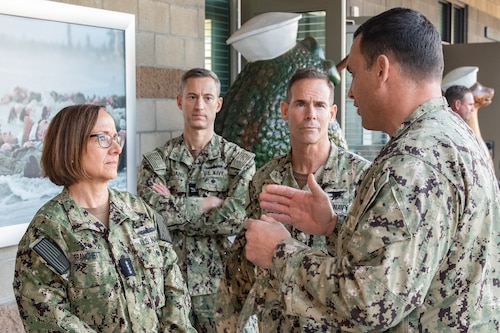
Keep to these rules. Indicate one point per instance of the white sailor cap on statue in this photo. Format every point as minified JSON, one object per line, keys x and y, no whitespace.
{"x":266,"y":36}
{"x":461,"y":76}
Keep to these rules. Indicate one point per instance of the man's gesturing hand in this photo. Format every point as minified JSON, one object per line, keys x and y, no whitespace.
{"x":310,"y":212}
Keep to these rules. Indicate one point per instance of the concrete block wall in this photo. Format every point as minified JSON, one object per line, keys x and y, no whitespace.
{"x":481,"y":13}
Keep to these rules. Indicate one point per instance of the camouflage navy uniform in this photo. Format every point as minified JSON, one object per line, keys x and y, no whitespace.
{"x":75,"y":275}
{"x":222,"y":169}
{"x":420,"y":249}
{"x":248,"y":290}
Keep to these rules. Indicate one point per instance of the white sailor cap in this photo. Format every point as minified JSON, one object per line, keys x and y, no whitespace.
{"x":266,"y":36}
{"x":462,"y":76}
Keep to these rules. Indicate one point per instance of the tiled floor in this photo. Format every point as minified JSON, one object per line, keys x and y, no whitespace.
{"x":9,"y":317}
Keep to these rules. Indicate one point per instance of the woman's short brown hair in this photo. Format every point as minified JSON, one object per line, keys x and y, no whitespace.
{"x":65,"y":141}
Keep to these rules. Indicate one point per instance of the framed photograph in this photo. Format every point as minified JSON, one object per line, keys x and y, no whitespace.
{"x":55,"y":55}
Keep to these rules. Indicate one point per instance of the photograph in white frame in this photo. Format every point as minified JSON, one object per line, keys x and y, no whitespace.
{"x":55,"y":55}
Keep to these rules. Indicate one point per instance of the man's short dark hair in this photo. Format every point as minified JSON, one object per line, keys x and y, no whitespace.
{"x":406,"y":35}
{"x":456,"y":92}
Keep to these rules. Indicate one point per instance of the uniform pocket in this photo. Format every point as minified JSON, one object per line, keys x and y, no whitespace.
{"x":91,"y":269}
{"x":150,"y":271}
{"x":93,"y":281}
{"x":213,"y":184}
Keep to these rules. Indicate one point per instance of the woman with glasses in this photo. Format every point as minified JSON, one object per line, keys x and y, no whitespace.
{"x":95,"y":259}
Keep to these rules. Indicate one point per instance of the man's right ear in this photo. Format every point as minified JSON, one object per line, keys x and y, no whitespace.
{"x":179,"y":102}
{"x":284,"y":110}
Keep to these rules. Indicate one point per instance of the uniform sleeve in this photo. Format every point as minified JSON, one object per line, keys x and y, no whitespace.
{"x":384,"y":268}
{"x":41,"y":292}
{"x":185,"y":213}
{"x":227,"y":219}
{"x":239,"y":276}
{"x":234,"y":286}
{"x":175,"y":313}
{"x":177,"y":211}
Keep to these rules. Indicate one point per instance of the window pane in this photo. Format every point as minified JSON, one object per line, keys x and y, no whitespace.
{"x":458,"y":24}
{"x":312,"y":24}
{"x":444,"y":24}
{"x":216,"y":34}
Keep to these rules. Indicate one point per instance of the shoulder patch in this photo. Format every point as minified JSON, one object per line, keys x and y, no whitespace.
{"x":242,"y":159}
{"x":52,"y":254}
{"x":154,"y":159}
{"x":163,"y":232}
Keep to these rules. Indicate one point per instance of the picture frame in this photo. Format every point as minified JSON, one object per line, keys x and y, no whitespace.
{"x":54,"y":55}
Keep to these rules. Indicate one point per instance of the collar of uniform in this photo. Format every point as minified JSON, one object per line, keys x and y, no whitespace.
{"x":180,"y":151}
{"x":285,"y":171}
{"x":119,"y":209}
{"x":214,"y":147}
{"x":322,"y":175}
{"x":278,"y":175}
{"x":429,"y":106}
{"x":80,"y":219}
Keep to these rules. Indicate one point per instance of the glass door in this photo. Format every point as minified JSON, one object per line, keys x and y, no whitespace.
{"x":326,"y":18}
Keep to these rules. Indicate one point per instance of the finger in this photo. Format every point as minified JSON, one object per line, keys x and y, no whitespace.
{"x":274,"y":207}
{"x":279,"y":190}
{"x":156,"y":187}
{"x":270,"y":219}
{"x":247,"y":223}
{"x":270,"y":197}
{"x":283,"y":218}
{"x":313,"y":185}
{"x":160,"y":188}
{"x":267,"y":218}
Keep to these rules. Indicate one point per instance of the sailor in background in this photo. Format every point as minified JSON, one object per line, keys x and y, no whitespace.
{"x":467,"y":76}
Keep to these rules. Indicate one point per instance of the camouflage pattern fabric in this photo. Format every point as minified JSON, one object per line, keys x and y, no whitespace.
{"x":420,"y":249}
{"x":222,"y":169}
{"x":247,"y":289}
{"x":94,"y":293}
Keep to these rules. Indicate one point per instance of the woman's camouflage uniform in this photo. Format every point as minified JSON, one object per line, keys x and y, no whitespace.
{"x":420,"y":249}
{"x":248,"y":290}
{"x":75,"y":275}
